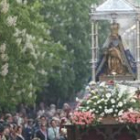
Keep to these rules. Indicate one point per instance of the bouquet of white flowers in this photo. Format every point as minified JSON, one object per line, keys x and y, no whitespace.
{"x":105,"y":99}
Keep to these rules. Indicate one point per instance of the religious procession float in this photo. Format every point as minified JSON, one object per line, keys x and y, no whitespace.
{"x":110,"y":109}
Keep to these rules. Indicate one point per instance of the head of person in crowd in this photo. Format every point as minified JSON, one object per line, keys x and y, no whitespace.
{"x":66,"y":107}
{"x":57,"y":120}
{"x":8,"y":118}
{"x":43,"y":127}
{"x":19,"y":130}
{"x":30,"y":123}
{"x":7,"y":131}
{"x":15,"y":117}
{"x":70,"y":116}
{"x":43,"y":120}
{"x":53,"y":109}
{"x":53,"y":123}
{"x":57,"y":115}
{"x":12,"y":128}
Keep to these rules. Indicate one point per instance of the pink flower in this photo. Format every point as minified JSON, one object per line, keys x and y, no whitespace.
{"x":83,"y":118}
{"x":132,"y":117}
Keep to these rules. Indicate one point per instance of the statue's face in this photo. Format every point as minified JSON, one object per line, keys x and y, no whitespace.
{"x":114,"y":26}
{"x":114,"y":36}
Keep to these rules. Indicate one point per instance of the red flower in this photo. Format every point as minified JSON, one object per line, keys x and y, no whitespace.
{"x":110,"y":82}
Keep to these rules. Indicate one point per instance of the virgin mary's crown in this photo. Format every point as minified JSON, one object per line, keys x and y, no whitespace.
{"x":114,"y":28}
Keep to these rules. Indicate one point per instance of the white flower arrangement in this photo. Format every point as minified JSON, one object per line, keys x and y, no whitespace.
{"x":106,"y":100}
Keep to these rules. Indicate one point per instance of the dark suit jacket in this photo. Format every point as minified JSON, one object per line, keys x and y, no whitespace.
{"x":19,"y":138}
{"x":40,"y":135}
{"x":28,"y":133}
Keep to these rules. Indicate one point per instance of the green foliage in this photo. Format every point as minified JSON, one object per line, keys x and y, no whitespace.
{"x":71,"y":27}
{"x":103,"y":32}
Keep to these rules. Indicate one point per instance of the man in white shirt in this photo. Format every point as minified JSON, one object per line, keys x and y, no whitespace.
{"x":53,"y":131}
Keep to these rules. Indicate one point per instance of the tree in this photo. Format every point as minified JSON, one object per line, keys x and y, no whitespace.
{"x":26,"y":52}
{"x":70,"y":26}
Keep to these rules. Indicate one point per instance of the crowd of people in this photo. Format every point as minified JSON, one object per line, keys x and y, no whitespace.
{"x":46,"y":123}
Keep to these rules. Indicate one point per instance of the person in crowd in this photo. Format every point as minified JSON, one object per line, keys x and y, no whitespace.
{"x":66,"y":109}
{"x":41,"y":111}
{"x":43,"y":119}
{"x":53,"y":109}
{"x":7,"y":132}
{"x":25,"y":122}
{"x":20,"y":119}
{"x":57,"y":120}
{"x":53,"y":131}
{"x":42,"y":132}
{"x":28,"y":130}
{"x":38,"y":122}
{"x":8,"y":118}
{"x":19,"y":133}
{"x":51,"y":112}
{"x":1,"y":117}
{"x":13,"y":128}
{"x":62,"y":130}
{"x":2,"y":137}
{"x":19,"y":127}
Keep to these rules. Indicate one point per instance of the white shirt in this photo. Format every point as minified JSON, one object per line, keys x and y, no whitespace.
{"x":53,"y":133}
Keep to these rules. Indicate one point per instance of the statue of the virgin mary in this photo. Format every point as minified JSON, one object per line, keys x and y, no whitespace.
{"x":114,"y":57}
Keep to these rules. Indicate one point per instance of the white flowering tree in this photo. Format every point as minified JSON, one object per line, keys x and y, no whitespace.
{"x":27,"y":53}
